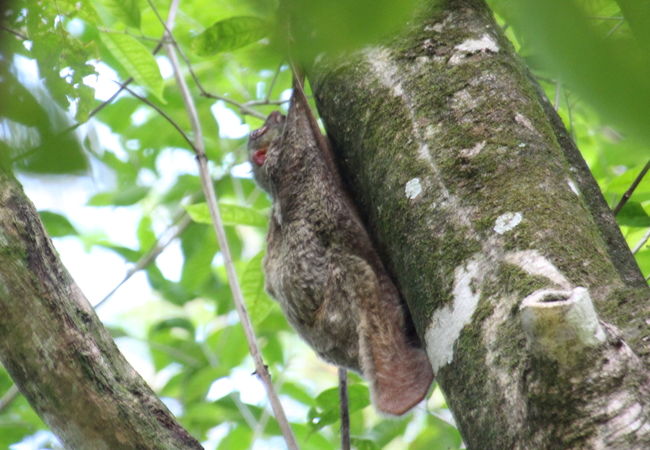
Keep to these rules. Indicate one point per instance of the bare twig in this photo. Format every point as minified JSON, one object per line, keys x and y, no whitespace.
{"x":641,"y":242}
{"x":266,"y":102}
{"x":633,"y":186}
{"x":344,"y":409}
{"x":572,"y":130}
{"x":617,"y":18}
{"x":165,"y":116}
{"x":242,"y":107}
{"x":92,"y":113}
{"x":614,"y":28}
{"x":166,"y":238}
{"x":275,"y":78}
{"x":126,"y":32}
{"x":211,"y":198}
{"x":556,"y":100}
{"x":14,"y":32}
{"x":8,"y":397}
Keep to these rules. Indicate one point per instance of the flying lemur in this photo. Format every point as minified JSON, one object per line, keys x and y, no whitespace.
{"x":322,"y":268}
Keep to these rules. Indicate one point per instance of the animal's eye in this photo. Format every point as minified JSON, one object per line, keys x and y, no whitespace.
{"x":259,"y":132}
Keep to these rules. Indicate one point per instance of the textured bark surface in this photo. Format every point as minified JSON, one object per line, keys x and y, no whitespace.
{"x":58,"y":353}
{"x":478,"y":200}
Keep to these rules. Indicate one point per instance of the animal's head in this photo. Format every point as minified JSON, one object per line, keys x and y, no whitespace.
{"x":259,"y":142}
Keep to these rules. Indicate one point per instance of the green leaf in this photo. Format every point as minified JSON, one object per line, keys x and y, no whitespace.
{"x":230,"y":214}
{"x":137,"y":60}
{"x":241,"y":437}
{"x":363,"y":444}
{"x":297,"y":392}
{"x":229,"y":344}
{"x":125,"y":11}
{"x":117,"y":332}
{"x":123,"y":197}
{"x":199,"y":247}
{"x":633,"y":215}
{"x":327,"y":410}
{"x":197,"y":386}
{"x":229,"y":34}
{"x":258,"y":302}
{"x":146,"y":236}
{"x":56,"y":224}
{"x":341,"y":25}
{"x":175,"y":322}
{"x":358,"y":397}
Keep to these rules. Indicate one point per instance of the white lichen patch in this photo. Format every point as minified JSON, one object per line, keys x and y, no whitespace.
{"x":447,"y":322}
{"x":472,"y":152}
{"x":523,"y":120}
{"x":385,"y":69}
{"x":413,"y":189}
{"x":463,"y":100}
{"x":573,"y":187}
{"x":469,"y":47}
{"x":506,"y":222}
{"x":534,"y":263}
{"x":484,"y":44}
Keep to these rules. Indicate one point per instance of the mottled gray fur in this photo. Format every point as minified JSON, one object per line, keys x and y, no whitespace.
{"x":323,"y":269}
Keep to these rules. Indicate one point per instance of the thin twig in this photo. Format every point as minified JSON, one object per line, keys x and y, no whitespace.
{"x":606,"y":17}
{"x":211,"y":199}
{"x":614,"y":28}
{"x":641,"y":243}
{"x":266,"y":102}
{"x":161,"y":244}
{"x":15,"y":33}
{"x":243,"y":108}
{"x":569,"y":111}
{"x":126,"y":32}
{"x":165,"y":116}
{"x":92,"y":113}
{"x":275,"y":78}
{"x":556,"y":100}
{"x":9,"y":397}
{"x":344,"y":409}
{"x":633,"y":186}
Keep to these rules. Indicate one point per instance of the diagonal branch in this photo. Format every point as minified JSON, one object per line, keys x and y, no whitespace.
{"x":211,"y":198}
{"x":632,"y":188}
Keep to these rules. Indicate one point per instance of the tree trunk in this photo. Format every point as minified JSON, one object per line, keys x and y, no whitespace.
{"x":59,"y":354}
{"x":532,"y":309}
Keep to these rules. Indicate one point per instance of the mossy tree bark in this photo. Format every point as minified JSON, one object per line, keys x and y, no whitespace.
{"x":532,"y":309}
{"x":59,"y":354}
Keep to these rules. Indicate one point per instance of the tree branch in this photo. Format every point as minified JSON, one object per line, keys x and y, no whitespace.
{"x":632,"y":188}
{"x":51,"y":340}
{"x":211,"y":198}
{"x":344,"y":408}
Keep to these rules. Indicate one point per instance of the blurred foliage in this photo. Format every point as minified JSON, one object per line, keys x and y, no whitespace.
{"x":591,"y":57}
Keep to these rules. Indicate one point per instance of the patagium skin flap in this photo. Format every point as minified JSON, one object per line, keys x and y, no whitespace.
{"x":322,"y":268}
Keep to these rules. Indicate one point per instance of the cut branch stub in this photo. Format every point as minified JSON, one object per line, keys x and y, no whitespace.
{"x":559,"y":324}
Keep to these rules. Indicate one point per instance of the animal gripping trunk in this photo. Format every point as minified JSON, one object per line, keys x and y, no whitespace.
{"x":398,"y":372}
